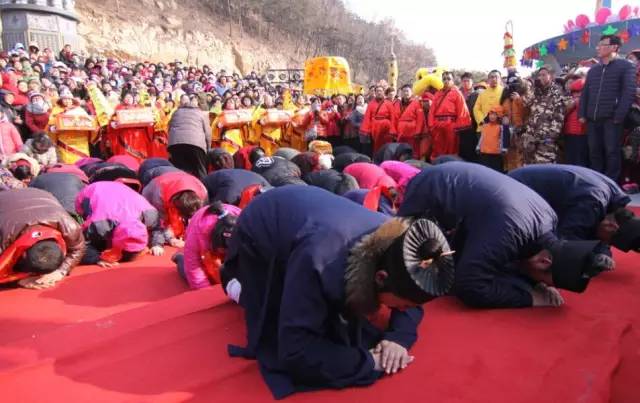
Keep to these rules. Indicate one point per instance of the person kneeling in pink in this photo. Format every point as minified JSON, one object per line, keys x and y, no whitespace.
{"x":206,"y":244}
{"x":117,"y":222}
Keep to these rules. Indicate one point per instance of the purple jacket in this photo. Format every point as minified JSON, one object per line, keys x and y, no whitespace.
{"x":105,"y":205}
{"x":401,"y":173}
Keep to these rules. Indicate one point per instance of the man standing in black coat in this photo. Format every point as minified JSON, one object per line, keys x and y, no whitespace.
{"x":608,"y":93}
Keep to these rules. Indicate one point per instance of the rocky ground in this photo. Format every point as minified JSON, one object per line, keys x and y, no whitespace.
{"x":164,"y":30}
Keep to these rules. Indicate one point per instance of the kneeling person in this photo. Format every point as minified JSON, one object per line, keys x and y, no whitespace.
{"x":39,"y":241}
{"x":308,"y":277}
{"x":589,"y":205}
{"x":508,"y":255}
{"x":117,"y":222}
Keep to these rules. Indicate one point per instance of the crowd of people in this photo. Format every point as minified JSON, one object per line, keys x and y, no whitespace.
{"x":313,"y":211}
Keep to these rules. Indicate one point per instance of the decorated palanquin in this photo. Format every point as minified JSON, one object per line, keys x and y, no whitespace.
{"x":136,"y":117}
{"x":300,"y":123}
{"x":72,"y":131}
{"x":131,"y":131}
{"x":273,"y":130}
{"x":326,"y":76}
{"x":231,"y":130}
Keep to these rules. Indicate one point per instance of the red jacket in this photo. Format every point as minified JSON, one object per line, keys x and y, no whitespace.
{"x":410,"y":119}
{"x":323,"y":121}
{"x":572,"y":125}
{"x":36,"y":122}
{"x":449,"y":103}
{"x":380,"y":118}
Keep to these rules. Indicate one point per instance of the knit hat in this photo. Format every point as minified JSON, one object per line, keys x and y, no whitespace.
{"x":35,"y":94}
{"x":66,"y":94}
{"x":320,"y":147}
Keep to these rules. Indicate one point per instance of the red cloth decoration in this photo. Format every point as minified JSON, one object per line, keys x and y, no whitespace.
{"x":26,"y":240}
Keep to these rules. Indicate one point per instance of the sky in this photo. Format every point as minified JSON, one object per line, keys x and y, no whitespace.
{"x":467,"y":34}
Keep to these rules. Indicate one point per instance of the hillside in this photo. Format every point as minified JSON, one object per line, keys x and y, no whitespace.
{"x":246,"y":35}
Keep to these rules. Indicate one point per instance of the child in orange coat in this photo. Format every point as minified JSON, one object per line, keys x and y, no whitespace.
{"x":493,"y":140}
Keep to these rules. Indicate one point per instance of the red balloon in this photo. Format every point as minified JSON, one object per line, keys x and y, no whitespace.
{"x":582,"y":21}
{"x":625,"y":12}
{"x":602,"y":15}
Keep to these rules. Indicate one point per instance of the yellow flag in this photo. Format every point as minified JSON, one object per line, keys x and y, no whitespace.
{"x":104,"y":110}
{"x":287,"y":103}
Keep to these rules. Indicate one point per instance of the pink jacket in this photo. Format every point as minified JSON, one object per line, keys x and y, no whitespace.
{"x":401,"y":173}
{"x":104,"y":205}
{"x":197,"y":242}
{"x":10,"y":140}
{"x":369,"y":175}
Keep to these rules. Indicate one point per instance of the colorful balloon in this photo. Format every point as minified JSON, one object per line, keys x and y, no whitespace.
{"x":582,"y":21}
{"x":625,"y":12}
{"x":602,"y":15}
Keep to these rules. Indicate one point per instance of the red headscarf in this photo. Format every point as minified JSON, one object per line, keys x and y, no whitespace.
{"x":26,"y":240}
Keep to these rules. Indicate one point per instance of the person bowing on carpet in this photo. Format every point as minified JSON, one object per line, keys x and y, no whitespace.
{"x":205,"y":244}
{"x":308,"y":279}
{"x":177,"y":196}
{"x":507,"y":255}
{"x":117,"y":222}
{"x":39,"y":241}
{"x":589,"y":205}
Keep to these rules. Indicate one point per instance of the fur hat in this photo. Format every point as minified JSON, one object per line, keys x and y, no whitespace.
{"x":416,"y":256}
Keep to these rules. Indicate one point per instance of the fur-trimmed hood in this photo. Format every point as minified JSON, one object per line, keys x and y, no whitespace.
{"x":363,"y":262}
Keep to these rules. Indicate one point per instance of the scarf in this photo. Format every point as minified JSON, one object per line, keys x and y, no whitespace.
{"x":38,"y":109}
{"x":26,"y":240}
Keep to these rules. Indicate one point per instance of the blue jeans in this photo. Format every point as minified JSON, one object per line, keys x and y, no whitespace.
{"x":605,"y":147}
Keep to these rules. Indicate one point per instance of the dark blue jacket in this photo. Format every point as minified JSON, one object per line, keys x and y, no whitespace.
{"x":226,"y":185}
{"x":609,"y":91}
{"x":392,"y":151}
{"x":148,"y":168}
{"x":335,"y":182}
{"x":64,"y":187}
{"x":289,"y":251}
{"x":279,"y":172}
{"x":580,"y":196}
{"x":385,"y":206}
{"x":497,"y":220}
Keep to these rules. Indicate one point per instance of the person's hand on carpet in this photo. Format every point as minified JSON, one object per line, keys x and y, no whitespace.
{"x":107,"y":265}
{"x":393,"y":356}
{"x":157,"y":250}
{"x":176,"y":243}
{"x":543,"y":295}
{"x":377,"y":360}
{"x":602,"y":262}
{"x":42,"y":282}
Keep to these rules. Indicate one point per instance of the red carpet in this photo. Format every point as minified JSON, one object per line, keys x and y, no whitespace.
{"x":135,"y":334}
